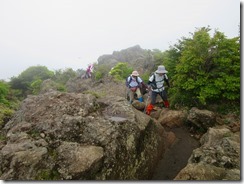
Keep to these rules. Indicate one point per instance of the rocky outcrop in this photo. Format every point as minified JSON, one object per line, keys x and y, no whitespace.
{"x":202,"y":119}
{"x":218,"y":158}
{"x":172,"y":118}
{"x":48,"y":85}
{"x":137,"y":57}
{"x":63,"y":136}
{"x":93,"y":133}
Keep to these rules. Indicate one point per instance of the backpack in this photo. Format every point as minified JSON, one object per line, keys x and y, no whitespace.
{"x":127,"y":83}
{"x":153,"y":83}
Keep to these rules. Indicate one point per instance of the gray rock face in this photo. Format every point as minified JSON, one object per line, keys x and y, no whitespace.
{"x":137,"y":57}
{"x":62,"y":136}
{"x":202,"y":118}
{"x":217,"y":159}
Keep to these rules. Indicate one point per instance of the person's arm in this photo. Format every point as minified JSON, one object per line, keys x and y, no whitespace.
{"x":166,"y":79}
{"x":150,"y":80}
{"x":140,"y":81}
{"x":144,"y":85}
{"x":127,"y":82}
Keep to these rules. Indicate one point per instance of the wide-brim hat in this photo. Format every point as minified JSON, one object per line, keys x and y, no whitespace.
{"x":135,"y":73}
{"x":161,"y":69}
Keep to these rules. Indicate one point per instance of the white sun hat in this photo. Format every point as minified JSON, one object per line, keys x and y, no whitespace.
{"x":161,"y":69}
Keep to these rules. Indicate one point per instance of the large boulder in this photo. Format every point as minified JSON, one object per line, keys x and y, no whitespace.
{"x":63,"y":136}
{"x":202,"y":119}
{"x":172,"y":118}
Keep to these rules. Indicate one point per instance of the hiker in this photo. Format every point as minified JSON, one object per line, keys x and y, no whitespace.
{"x":156,"y":83}
{"x":89,"y":71}
{"x":134,"y":83}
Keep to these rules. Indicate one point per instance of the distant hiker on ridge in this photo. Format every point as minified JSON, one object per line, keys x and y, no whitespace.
{"x":134,"y":83}
{"x":88,"y":73}
{"x":156,"y":83}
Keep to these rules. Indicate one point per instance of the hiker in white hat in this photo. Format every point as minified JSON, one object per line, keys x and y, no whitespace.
{"x":156,"y":83}
{"x":134,"y":84}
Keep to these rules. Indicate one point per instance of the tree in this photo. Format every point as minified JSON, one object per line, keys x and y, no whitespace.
{"x":4,"y":90}
{"x":207,"y":70}
{"x":101,"y":70}
{"x":121,"y":71}
{"x":26,"y":78}
{"x":36,"y":86}
{"x":62,"y":76}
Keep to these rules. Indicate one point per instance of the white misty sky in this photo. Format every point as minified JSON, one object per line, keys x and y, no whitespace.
{"x":63,"y":34}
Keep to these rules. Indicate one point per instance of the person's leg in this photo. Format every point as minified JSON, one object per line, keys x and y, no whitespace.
{"x":131,"y":93}
{"x":153,"y":97}
{"x":153,"y":101}
{"x":139,"y":96}
{"x":163,"y":95}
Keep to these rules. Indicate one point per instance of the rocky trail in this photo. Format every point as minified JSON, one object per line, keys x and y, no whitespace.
{"x":176,"y":157}
{"x":93,"y":133}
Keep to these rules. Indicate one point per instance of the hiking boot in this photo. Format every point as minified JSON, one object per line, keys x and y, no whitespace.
{"x":166,"y":104}
{"x":149,"y":109}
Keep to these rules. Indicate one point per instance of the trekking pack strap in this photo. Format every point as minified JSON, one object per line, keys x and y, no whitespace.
{"x":131,"y":80}
{"x":155,"y":82}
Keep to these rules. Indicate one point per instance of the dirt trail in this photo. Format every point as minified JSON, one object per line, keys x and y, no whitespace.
{"x":176,"y":157}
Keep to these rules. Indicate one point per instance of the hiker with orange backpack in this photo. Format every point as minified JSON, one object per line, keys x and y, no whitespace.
{"x":134,"y":84}
{"x":156,"y":83}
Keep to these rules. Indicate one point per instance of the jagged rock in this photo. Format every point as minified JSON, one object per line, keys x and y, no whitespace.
{"x":76,"y":159}
{"x":232,"y":120}
{"x":48,"y":85}
{"x":172,"y":118}
{"x":78,"y":85}
{"x":218,"y":158}
{"x":140,"y":59}
{"x":155,"y":113}
{"x":138,"y":105}
{"x":61,"y":136}
{"x":202,"y":119}
{"x":171,"y":138}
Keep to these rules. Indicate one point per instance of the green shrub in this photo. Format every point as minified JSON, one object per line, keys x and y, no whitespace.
{"x":120,"y":71}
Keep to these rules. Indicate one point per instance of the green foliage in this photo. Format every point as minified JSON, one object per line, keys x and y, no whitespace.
{"x":145,"y":76}
{"x":5,"y":114}
{"x":158,"y":57}
{"x":26,"y":78}
{"x":35,"y":72}
{"x":48,"y":174}
{"x":62,"y":76}
{"x":61,"y":87}
{"x":8,"y":96}
{"x":4,"y":90}
{"x":36,"y":86}
{"x":120,"y":71}
{"x":30,"y":80}
{"x":206,"y":70}
{"x":101,"y":71}
{"x":171,"y":59}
